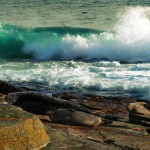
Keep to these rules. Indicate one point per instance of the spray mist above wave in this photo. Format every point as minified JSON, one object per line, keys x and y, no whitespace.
{"x":129,"y":43}
{"x":20,"y":42}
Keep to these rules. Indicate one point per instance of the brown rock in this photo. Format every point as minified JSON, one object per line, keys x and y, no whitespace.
{"x":118,"y":136}
{"x":138,"y":108}
{"x":62,"y":140}
{"x":20,"y":130}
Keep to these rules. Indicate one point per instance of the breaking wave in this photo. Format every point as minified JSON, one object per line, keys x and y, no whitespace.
{"x":128,"y":43}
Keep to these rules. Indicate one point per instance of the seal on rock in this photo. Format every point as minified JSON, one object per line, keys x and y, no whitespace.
{"x":139,"y":108}
{"x":2,"y":99}
{"x":39,"y":103}
{"x":73,"y":117}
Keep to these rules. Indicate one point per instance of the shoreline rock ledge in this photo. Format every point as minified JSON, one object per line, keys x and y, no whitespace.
{"x":20,"y":130}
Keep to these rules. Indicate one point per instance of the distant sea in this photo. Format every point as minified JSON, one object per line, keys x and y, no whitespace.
{"x":100,"y":47}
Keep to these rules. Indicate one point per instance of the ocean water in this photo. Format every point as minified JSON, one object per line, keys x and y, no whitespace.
{"x":99,"y":47}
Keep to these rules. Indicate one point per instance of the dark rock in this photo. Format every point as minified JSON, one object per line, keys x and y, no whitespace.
{"x":140,"y":119}
{"x":39,"y":103}
{"x":6,"y":88}
{"x":148,"y":130}
{"x":68,"y":95}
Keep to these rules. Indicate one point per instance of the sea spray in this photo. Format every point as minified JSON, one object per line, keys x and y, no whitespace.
{"x":129,"y":43}
{"x":73,"y":57}
{"x":102,"y":78}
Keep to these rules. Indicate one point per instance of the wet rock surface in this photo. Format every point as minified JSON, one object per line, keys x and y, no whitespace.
{"x":118,"y":136}
{"x":140,"y":119}
{"x":62,"y":139}
{"x":39,"y":103}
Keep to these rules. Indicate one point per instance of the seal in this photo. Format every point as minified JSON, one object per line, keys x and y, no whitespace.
{"x":2,"y":99}
{"x":139,"y":108}
{"x":39,"y":103}
{"x":73,"y":117}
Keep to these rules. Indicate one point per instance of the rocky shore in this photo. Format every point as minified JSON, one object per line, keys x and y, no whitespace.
{"x":32,"y":120}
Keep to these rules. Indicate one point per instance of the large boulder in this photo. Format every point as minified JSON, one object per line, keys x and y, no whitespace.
{"x":20,"y":130}
{"x":142,"y":108}
{"x":139,"y":113}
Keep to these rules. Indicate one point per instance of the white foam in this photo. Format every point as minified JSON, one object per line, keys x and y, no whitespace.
{"x":95,"y":77}
{"x":129,"y":43}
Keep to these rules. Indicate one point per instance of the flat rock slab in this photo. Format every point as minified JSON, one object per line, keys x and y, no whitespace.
{"x":140,"y":119}
{"x":118,"y":136}
{"x":113,"y":108}
{"x":20,"y":130}
{"x":62,"y":140}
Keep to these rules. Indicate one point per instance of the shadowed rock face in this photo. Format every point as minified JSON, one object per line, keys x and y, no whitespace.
{"x":139,"y":113}
{"x":39,"y":103}
{"x":20,"y":130}
{"x":6,"y":88}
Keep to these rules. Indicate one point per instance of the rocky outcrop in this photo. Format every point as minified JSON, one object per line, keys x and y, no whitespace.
{"x":142,"y":108}
{"x":20,"y":130}
{"x":39,"y":103}
{"x":120,"y":135}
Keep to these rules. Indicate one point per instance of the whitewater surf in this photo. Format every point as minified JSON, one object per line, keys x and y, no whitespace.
{"x":111,"y":60}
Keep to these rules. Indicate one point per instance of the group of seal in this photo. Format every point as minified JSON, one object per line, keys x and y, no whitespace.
{"x":58,"y":110}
